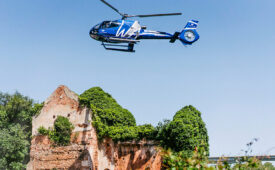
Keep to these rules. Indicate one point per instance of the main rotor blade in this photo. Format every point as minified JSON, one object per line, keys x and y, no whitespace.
{"x":155,"y":15}
{"x":112,"y":7}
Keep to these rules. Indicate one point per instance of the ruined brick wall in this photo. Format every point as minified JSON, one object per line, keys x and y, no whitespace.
{"x":45,"y":156}
{"x":85,"y":152}
{"x":132,"y":155}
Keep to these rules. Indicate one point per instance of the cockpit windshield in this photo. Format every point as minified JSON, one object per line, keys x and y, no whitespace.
{"x":97,"y":27}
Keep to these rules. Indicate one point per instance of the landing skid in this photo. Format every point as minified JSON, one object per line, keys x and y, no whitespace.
{"x":129,"y":47}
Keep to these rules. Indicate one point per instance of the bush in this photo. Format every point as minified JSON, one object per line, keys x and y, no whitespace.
{"x":185,"y":132}
{"x":43,"y":131}
{"x":61,"y":134}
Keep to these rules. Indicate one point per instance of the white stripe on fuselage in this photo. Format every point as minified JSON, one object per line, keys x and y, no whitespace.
{"x":121,"y":32}
{"x":134,"y":28}
{"x":149,"y":32}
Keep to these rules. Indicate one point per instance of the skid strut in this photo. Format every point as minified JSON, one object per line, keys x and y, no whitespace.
{"x":127,"y":48}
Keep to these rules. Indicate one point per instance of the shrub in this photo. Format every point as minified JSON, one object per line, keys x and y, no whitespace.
{"x":61,"y":134}
{"x":43,"y":131}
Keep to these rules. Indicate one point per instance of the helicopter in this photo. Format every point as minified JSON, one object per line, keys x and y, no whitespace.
{"x":123,"y":34}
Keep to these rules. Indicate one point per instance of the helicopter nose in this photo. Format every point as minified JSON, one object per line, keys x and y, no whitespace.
{"x":92,"y":33}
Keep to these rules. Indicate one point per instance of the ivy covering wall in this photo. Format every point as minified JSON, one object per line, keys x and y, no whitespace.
{"x":112,"y":120}
{"x":185,"y":132}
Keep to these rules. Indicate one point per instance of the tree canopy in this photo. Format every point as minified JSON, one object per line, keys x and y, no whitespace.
{"x":16,"y":113}
{"x":185,"y":132}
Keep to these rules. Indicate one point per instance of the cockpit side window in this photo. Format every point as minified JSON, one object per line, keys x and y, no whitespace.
{"x":105,"y":24}
{"x":109,"y":24}
{"x":114,"y":24}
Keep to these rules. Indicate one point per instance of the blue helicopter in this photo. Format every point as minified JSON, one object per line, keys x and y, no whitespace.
{"x":123,"y":34}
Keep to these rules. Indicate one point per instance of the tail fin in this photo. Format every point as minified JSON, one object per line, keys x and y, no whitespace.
{"x":193,"y":24}
{"x":189,"y":34}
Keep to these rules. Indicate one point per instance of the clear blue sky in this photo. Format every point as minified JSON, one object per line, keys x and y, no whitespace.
{"x":229,"y":74}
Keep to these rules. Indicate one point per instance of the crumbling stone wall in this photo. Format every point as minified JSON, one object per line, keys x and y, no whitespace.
{"x":85,"y":152}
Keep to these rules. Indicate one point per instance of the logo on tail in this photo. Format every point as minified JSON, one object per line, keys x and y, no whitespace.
{"x":193,"y":24}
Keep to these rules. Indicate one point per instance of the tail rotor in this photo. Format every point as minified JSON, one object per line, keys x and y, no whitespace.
{"x":189,"y":34}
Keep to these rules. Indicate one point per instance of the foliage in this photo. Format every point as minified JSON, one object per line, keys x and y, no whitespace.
{"x":37,"y":108}
{"x":110,"y":112}
{"x":120,"y":133}
{"x":268,"y":166}
{"x":162,"y":129}
{"x":43,"y":131}
{"x":111,"y":120}
{"x":61,"y":134}
{"x":16,"y":113}
{"x":146,"y":131}
{"x":16,"y":108}
{"x":13,"y":147}
{"x":185,"y":132}
{"x":118,"y":130}
{"x":178,"y":161}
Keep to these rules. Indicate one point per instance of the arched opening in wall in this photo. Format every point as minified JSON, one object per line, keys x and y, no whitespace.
{"x":83,"y":162}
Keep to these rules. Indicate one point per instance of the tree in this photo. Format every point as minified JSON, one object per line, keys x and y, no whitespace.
{"x":185,"y":132}
{"x":13,"y":147}
{"x":16,"y":113}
